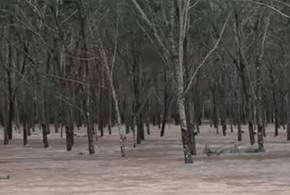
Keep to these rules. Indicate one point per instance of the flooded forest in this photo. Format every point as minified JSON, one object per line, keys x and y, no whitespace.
{"x":175,"y":81}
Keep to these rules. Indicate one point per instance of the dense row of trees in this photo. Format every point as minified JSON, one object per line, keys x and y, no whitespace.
{"x":114,"y":62}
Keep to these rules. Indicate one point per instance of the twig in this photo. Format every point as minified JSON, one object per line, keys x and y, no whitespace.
{"x":207,"y":56}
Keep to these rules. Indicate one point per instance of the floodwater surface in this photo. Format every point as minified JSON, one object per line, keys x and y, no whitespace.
{"x":154,"y":167}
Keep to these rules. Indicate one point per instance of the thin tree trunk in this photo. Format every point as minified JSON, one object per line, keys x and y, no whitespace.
{"x":11,"y":105}
{"x":109,"y":115}
{"x":259,"y":107}
{"x":239,"y":131}
{"x":288,"y":113}
{"x":215,"y":111}
{"x":274,"y":102}
{"x":109,"y":76}
{"x":251,"y":133}
{"x":239,"y":123}
{"x":25,"y":126}
{"x":165,"y":107}
{"x":16,"y":115}
{"x":148,"y":117}
{"x":5,"y":119}
{"x":128,"y":118}
{"x":44,"y":136}
{"x":88,"y":113}
{"x":56,"y":123}
{"x":69,"y":137}
{"x":101,"y":112}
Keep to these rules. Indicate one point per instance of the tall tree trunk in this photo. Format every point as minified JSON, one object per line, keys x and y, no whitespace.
{"x":259,"y":107}
{"x":258,"y":90}
{"x":165,"y":107}
{"x":177,"y":60}
{"x":188,"y":104}
{"x":69,"y":137}
{"x":25,"y":126}
{"x":276,"y":122}
{"x":215,"y":110}
{"x":10,"y":94}
{"x":137,"y":94}
{"x":251,"y":133}
{"x":5,"y":119}
{"x":240,"y":64}
{"x":147,"y":120}
{"x":87,"y":98}
{"x":109,"y":115}
{"x":101,"y":111}
{"x":239,"y":123}
{"x":288,"y":113}
{"x":109,"y":77}
{"x":190,"y":125}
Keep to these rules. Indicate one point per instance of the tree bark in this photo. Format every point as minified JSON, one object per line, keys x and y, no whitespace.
{"x":188,"y":104}
{"x":239,"y":123}
{"x":44,"y":136}
{"x":190,"y":125}
{"x":137,"y":95}
{"x":10,"y":96}
{"x":177,"y":60}
{"x":251,"y":133}
{"x":109,"y":76}
{"x":288,"y":113}
{"x":69,"y":137}
{"x":259,"y":107}
{"x":165,"y":107}
{"x":25,"y":126}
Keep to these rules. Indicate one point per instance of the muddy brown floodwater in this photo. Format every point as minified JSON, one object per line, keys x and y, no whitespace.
{"x":154,"y":167}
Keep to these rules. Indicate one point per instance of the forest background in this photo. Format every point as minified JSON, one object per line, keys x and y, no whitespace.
{"x":101,"y":64}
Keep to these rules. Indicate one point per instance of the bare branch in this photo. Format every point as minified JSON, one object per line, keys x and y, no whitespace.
{"x":116,"y":44}
{"x":264,"y":38}
{"x":207,"y":56}
{"x":192,"y":6}
{"x":268,"y":6}
{"x":74,"y":81}
{"x":152,"y":26}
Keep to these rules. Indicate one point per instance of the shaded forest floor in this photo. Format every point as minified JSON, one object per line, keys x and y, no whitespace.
{"x":154,"y":167}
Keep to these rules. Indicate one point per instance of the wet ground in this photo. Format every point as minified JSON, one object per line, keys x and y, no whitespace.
{"x":154,"y":167}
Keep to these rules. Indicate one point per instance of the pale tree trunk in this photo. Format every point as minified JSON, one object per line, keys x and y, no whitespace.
{"x":109,"y":76}
{"x":177,"y":60}
{"x":175,"y":54}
